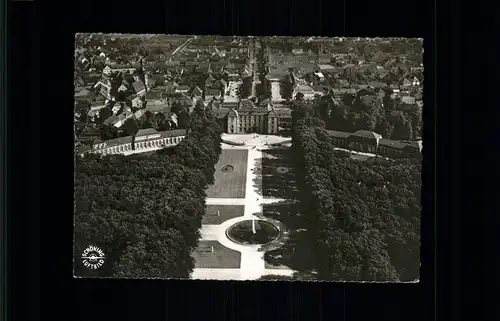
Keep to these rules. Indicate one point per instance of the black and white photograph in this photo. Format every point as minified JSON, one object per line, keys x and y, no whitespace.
{"x":247,"y":158}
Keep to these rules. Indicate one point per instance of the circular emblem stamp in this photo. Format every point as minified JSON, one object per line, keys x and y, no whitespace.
{"x":93,"y":257}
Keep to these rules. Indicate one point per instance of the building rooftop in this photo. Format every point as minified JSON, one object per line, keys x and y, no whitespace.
{"x":111,"y":120}
{"x":196,"y":91}
{"x":212,"y":92}
{"x":382,"y":142}
{"x":157,"y":106}
{"x":337,"y":134}
{"x":120,"y":66}
{"x":146,"y":132}
{"x":325,"y":67}
{"x":173,"y":133}
{"x":155,"y":94}
{"x":119,"y":141}
{"x":82,"y":92}
{"x":232,"y":113}
{"x":303,"y":88}
{"x":377,"y":84}
{"x":138,"y":86}
{"x":132,"y":97}
{"x":253,"y":111}
{"x":92,"y":113}
{"x":366,"y":134}
{"x":393,"y":143}
{"x":277,"y":74}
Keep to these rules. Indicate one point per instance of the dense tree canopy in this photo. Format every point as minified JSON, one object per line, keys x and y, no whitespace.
{"x":131,"y":126}
{"x":149,"y":120}
{"x":245,"y":88}
{"x":104,"y":114}
{"x":144,"y":212}
{"x":183,"y":116}
{"x":382,"y":115}
{"x":286,"y":90}
{"x":108,"y":132}
{"x":363,"y":215}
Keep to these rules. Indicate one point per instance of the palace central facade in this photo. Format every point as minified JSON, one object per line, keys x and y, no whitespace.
{"x":247,"y":118}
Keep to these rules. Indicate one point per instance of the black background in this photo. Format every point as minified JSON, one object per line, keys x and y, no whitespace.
{"x":40,"y":153}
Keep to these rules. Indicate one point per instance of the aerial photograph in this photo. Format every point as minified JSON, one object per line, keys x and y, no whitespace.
{"x":247,"y":158}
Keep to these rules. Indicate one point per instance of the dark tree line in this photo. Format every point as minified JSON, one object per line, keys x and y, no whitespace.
{"x":363,"y":216}
{"x":263,"y":89}
{"x":286,"y":90}
{"x":382,"y":115}
{"x":144,"y":212}
{"x":245,"y":88}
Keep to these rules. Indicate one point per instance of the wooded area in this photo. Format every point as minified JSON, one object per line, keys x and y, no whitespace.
{"x":363,"y":215}
{"x":365,"y":111}
{"x":144,"y":212}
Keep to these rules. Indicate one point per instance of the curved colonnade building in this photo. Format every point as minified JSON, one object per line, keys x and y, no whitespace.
{"x":369,"y":142}
{"x":144,"y":140}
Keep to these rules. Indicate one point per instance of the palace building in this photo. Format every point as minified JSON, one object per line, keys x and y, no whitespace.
{"x":144,"y":140}
{"x":245,"y":117}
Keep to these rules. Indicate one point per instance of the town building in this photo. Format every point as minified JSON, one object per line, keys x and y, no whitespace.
{"x":110,"y":69}
{"x":118,"y":120}
{"x":211,"y":94}
{"x":133,"y":101}
{"x":290,"y":59}
{"x":182,"y":89}
{"x":305,"y":90}
{"x":139,"y":87}
{"x":104,"y":86}
{"x":408,"y":100}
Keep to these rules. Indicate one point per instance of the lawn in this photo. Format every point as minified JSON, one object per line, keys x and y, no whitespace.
{"x":230,"y":184}
{"x":296,"y":253}
{"x":278,"y":178}
{"x":226,"y":212}
{"x":221,"y":257}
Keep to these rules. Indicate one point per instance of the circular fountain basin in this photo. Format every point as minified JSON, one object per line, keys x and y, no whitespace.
{"x":282,"y":170}
{"x":243,"y":233}
{"x":227,"y":168}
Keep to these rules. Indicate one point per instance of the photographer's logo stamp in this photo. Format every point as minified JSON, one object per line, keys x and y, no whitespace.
{"x":93,"y":257}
